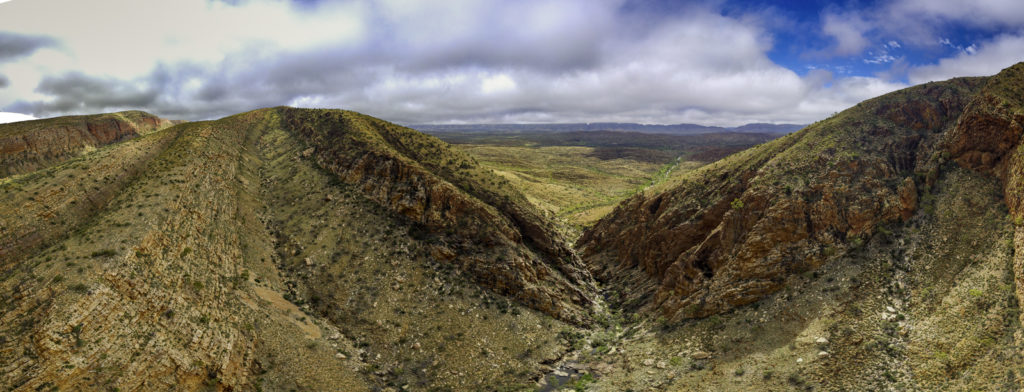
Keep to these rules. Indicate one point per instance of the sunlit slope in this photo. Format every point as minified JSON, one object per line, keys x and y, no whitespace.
{"x":278,"y":249}
{"x":30,"y":145}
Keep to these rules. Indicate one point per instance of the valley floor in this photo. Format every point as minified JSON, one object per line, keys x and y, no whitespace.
{"x":924,"y":306}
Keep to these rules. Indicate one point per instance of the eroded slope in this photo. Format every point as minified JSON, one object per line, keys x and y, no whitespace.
{"x":730,"y":233}
{"x":925,"y":305}
{"x":879,"y":250}
{"x":31,"y":145}
{"x":252,"y":253}
{"x":469,"y":215}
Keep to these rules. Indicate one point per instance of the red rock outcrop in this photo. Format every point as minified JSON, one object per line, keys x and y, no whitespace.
{"x":987,"y":137}
{"x":30,"y":145}
{"x":463,"y":209}
{"x":732,"y":232}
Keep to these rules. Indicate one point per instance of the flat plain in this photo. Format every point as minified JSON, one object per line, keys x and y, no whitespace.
{"x":577,"y":177}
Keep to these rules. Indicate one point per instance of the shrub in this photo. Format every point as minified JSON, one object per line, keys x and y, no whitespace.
{"x":103,"y":253}
{"x":830,"y":251}
{"x":737,"y":204}
{"x":795,"y":380}
{"x":581,"y":384}
{"x":573,"y":338}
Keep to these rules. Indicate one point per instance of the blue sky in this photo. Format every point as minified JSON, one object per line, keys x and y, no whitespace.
{"x":714,"y":62}
{"x":854,"y":38}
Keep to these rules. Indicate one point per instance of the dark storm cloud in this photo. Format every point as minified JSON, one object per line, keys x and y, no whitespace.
{"x":14,"y":45}
{"x":75,"y":91}
{"x":190,"y":91}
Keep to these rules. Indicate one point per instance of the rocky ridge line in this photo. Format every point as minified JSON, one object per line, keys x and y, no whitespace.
{"x":456,"y":206}
{"x":31,"y":145}
{"x":732,"y":232}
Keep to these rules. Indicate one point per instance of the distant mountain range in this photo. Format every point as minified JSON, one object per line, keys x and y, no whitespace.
{"x":632,"y":127}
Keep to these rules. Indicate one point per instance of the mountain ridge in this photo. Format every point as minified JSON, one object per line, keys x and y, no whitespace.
{"x":754,"y":209}
{"x":682,"y":128}
{"x":30,"y":145}
{"x":888,"y":163}
{"x":204,"y":240}
{"x":313,"y":249}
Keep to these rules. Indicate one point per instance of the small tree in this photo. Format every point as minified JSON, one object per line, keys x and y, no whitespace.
{"x":737,"y":204}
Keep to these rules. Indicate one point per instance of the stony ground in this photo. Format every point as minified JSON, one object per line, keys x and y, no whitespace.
{"x":923,"y":306}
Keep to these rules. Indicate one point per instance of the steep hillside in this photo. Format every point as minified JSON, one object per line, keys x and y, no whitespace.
{"x":925,"y":305}
{"x":730,"y":233}
{"x":987,"y":137}
{"x":279,"y":249}
{"x":30,"y":145}
{"x":44,"y":206}
{"x":876,"y":250}
{"x":469,"y":215}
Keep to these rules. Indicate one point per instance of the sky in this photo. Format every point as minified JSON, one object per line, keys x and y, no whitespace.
{"x":715,"y":62}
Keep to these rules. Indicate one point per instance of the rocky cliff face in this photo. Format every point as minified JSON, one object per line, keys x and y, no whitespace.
{"x":31,"y":145}
{"x":987,"y":138}
{"x":472,"y":217}
{"x":47,"y":204}
{"x":732,"y":232}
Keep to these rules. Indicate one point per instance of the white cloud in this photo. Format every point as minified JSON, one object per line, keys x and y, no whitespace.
{"x":989,"y":58}
{"x":880,"y":58}
{"x":8,"y":117}
{"x":412,"y":61}
{"x":127,"y":38}
{"x":498,"y":84}
{"x":848,"y":30}
{"x":978,"y":13}
{"x":920,"y":23}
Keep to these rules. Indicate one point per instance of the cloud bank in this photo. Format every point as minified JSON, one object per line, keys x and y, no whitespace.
{"x":451,"y":61}
{"x":7,"y":117}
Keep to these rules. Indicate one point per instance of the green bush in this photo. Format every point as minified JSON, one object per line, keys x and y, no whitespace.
{"x":584,"y":380}
{"x":737,"y":204}
{"x":103,"y":253}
